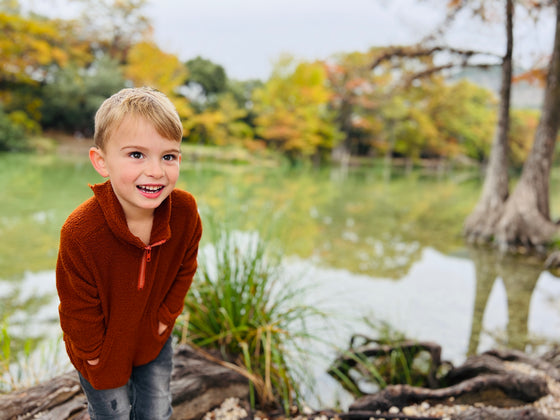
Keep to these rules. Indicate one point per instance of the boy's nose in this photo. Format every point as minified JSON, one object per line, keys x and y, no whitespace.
{"x":155,"y":168}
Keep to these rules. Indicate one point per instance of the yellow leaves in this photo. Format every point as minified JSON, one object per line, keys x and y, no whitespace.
{"x":222,"y":126}
{"x":29,"y":45}
{"x":292,"y":109}
{"x":183,"y":109}
{"x":523,"y":124}
{"x":150,"y":66}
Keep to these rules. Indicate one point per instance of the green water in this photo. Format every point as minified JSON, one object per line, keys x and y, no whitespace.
{"x":376,"y":248}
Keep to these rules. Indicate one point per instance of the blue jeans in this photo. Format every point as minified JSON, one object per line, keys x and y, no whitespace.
{"x":147,"y":395}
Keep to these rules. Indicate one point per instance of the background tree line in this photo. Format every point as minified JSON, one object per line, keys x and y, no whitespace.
{"x":54,"y":73}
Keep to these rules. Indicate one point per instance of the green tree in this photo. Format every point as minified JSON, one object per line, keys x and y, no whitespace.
{"x":224,"y":125}
{"x":242,"y":92}
{"x":206,"y":80}
{"x":12,"y":135}
{"x":33,"y":49}
{"x":73,"y":95}
{"x":408,"y":111}
{"x":293,"y":114}
{"x":464,"y":117}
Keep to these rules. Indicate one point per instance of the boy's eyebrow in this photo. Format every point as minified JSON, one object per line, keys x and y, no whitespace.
{"x":141,"y":148}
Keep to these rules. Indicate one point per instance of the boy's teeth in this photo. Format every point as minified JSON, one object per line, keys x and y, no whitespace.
{"x":149,"y":188}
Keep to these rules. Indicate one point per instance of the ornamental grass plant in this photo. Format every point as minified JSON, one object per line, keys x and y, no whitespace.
{"x":242,"y":305}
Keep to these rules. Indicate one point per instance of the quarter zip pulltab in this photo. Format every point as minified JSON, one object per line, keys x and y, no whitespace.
{"x":146,"y":258}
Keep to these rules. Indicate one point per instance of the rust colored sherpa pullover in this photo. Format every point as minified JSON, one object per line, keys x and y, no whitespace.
{"x":114,"y":289}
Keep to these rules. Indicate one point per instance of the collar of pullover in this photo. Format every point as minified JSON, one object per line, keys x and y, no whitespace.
{"x":116,"y":220}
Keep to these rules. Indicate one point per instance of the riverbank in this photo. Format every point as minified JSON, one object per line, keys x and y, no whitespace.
{"x":495,"y":385}
{"x":368,"y":249}
{"x":67,"y":145}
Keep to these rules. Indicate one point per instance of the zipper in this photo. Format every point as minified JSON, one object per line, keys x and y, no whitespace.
{"x":146,"y":258}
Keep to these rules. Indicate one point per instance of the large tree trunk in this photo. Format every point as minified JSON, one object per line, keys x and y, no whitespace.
{"x":526,"y":217}
{"x":480,"y":224}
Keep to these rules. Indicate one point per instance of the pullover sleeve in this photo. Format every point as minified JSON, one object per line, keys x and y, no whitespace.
{"x":81,"y":315}
{"x":173,"y":303}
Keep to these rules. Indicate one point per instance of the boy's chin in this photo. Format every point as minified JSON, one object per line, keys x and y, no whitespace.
{"x":152,"y":203}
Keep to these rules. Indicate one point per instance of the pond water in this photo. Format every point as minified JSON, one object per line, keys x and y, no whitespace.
{"x":375,"y":247}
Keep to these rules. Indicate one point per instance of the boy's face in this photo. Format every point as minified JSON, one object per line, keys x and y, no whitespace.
{"x":142,"y":165}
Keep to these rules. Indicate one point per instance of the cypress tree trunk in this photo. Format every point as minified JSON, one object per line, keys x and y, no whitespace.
{"x":479,"y":226}
{"x":526,"y":217}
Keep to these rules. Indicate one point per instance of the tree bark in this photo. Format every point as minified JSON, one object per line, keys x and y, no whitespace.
{"x":480,"y":224}
{"x":526,"y":217}
{"x":197,"y":385}
{"x":506,"y":390}
{"x":487,"y":386}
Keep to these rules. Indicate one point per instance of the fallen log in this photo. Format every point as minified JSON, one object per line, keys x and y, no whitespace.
{"x":61,"y":396}
{"x":198,"y":385}
{"x":500,"y":390}
{"x":492,"y":413}
{"x":540,"y":363}
{"x":486,"y":386}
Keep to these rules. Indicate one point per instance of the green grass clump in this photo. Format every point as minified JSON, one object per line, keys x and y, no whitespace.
{"x":25,"y":363}
{"x":241,"y":305}
{"x":387,"y":359}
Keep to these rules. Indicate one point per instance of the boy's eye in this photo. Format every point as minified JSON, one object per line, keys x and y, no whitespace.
{"x":136,"y":155}
{"x":169,"y":157}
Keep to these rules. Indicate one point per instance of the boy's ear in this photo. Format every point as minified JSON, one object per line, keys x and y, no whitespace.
{"x":98,"y":161}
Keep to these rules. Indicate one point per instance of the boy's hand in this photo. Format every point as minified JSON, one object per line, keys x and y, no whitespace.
{"x":93,"y":362}
{"x":161,"y":328}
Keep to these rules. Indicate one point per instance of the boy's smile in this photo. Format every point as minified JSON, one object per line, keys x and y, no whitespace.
{"x":143,"y":166}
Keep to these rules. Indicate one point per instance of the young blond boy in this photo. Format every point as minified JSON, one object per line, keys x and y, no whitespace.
{"x":127,"y":258}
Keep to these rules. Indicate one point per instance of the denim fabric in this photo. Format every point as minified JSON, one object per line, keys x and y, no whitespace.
{"x":147,"y":395}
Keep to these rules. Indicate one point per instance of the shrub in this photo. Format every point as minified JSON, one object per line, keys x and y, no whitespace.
{"x":241,"y":305}
{"x":12,"y":135}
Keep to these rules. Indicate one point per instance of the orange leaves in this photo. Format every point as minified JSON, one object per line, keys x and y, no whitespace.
{"x":454,"y":3}
{"x":536,"y":76}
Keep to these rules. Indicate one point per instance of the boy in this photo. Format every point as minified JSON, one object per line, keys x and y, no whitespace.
{"x":127,"y":258}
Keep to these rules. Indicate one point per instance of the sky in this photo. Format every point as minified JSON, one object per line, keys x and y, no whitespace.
{"x":247,"y":37}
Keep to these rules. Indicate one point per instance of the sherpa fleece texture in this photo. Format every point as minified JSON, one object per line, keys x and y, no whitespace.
{"x":105,"y":310}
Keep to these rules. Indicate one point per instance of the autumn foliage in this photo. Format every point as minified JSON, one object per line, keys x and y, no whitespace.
{"x":54,"y":73}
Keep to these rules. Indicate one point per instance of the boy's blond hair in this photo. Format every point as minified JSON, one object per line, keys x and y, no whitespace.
{"x":142,"y":102}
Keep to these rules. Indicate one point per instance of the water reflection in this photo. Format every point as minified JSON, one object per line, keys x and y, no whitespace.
{"x":394,"y":247}
{"x":519,"y":277}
